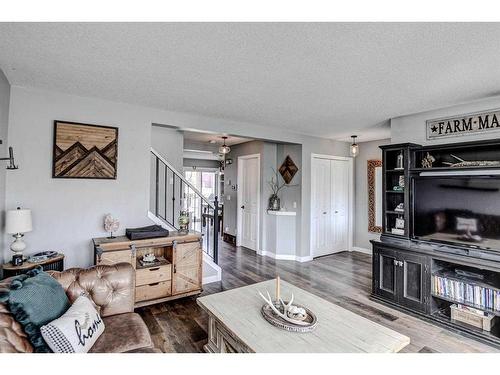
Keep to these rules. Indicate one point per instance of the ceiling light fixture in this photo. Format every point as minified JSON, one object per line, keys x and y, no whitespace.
{"x":354,"y":146}
{"x":224,"y":149}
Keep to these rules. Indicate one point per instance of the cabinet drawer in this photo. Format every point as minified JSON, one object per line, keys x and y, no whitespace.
{"x":153,"y":274}
{"x":153,"y":291}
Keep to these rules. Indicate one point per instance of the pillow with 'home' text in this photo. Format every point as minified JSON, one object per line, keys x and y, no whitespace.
{"x":76,"y":331}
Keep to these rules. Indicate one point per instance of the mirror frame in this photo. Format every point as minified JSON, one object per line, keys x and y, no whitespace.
{"x":371,"y":165}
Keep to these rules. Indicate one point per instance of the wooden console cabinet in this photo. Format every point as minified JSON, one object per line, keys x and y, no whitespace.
{"x":179,"y":275}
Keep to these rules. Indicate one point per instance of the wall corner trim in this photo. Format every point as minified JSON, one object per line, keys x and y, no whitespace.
{"x":285,"y":256}
{"x":361,"y":250}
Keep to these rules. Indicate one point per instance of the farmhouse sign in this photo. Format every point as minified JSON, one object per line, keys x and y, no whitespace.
{"x":473,"y":123}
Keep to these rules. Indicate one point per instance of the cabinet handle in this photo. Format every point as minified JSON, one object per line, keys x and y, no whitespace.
{"x":154,"y":269}
{"x":153,"y":284}
{"x":99,"y":252}
{"x":175,"y":268}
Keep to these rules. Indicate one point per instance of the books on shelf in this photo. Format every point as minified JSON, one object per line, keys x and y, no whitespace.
{"x":466,"y":292}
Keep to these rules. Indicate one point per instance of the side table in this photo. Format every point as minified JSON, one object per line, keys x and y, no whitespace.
{"x":55,"y":263}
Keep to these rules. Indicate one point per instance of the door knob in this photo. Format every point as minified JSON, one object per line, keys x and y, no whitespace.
{"x":243,"y":207}
{"x":324,"y":212}
{"x":336,"y":212}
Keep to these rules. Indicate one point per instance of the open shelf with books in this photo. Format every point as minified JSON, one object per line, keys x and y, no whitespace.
{"x":466,"y":296}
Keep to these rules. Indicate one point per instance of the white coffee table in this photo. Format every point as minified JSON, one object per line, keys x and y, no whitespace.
{"x":236,"y":325}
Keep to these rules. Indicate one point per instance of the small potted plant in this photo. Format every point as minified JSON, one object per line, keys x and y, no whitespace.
{"x":274,"y":200}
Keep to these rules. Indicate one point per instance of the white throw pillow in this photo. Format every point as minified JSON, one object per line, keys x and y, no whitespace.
{"x":76,"y":331}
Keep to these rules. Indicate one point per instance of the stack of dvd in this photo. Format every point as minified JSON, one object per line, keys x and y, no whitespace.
{"x":466,"y":292}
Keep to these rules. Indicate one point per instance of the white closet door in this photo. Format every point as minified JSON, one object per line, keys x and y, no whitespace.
{"x":330,"y":206}
{"x":340,"y":205}
{"x":321,"y":213}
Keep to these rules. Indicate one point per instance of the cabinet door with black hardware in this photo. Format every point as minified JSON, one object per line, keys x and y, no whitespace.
{"x":412,"y":280}
{"x":187,"y":266}
{"x":385,"y":273}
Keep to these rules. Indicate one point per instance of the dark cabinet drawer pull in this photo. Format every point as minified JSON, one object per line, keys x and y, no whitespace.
{"x":154,"y":269}
{"x":154,"y":284}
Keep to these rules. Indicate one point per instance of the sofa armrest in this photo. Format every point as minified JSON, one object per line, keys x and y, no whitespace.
{"x":111,"y":288}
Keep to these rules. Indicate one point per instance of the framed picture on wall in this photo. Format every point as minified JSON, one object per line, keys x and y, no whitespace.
{"x":84,"y":151}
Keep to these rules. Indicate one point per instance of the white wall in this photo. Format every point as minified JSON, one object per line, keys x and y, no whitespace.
{"x":367,"y":151}
{"x":169,"y":143}
{"x":4,"y":117}
{"x":67,"y":213}
{"x":411,"y":128}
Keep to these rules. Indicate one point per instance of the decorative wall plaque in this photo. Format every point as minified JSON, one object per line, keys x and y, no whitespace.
{"x":374,"y":196}
{"x":472,"y":123}
{"x":288,"y":169}
{"x":84,"y":151}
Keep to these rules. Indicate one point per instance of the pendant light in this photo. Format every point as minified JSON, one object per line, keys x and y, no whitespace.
{"x":354,"y":146}
{"x":224,"y":149}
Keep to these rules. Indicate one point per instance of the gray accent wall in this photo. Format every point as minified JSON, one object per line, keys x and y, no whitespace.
{"x":169,"y":143}
{"x":68,"y":213}
{"x":411,"y":128}
{"x":4,"y":119}
{"x":367,"y":151}
{"x":200,"y":163}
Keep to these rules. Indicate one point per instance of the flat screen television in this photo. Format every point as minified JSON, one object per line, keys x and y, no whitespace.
{"x":460,"y":210}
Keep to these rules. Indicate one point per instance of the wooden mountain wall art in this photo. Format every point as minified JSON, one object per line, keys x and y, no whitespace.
{"x":84,"y":151}
{"x":288,"y":169}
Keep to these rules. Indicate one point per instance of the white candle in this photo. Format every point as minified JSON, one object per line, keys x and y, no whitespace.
{"x":277,"y":288}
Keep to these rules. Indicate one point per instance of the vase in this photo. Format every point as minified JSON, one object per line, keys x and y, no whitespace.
{"x":183,"y":223}
{"x":274,"y":203}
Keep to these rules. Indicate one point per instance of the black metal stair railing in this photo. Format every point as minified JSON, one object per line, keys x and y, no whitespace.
{"x":171,"y":193}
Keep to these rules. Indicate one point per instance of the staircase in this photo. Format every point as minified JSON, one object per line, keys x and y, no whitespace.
{"x":171,"y":193}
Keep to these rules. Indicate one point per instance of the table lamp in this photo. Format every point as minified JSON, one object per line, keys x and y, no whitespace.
{"x":18,"y":222}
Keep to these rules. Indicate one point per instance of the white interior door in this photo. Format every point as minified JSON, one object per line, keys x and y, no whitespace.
{"x":249,"y":198}
{"x":340,"y":205}
{"x":330,"y":205}
{"x":321,"y":194}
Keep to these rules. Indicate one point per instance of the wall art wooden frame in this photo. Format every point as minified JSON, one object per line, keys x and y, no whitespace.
{"x":288,"y":169}
{"x":371,"y":165}
{"x":84,"y":151}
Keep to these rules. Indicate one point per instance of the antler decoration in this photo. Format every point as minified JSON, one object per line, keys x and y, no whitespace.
{"x":286,"y":307}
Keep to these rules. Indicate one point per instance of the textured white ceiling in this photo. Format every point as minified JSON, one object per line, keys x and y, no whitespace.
{"x":324,"y":79}
{"x":205,"y":138}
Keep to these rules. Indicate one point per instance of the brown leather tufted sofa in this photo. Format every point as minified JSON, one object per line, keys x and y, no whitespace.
{"x":111,"y":288}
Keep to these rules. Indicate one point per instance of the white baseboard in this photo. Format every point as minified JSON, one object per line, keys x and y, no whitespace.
{"x":361,"y":250}
{"x":210,"y":279}
{"x":159,"y":222}
{"x":216,"y":267}
{"x":285,"y":256}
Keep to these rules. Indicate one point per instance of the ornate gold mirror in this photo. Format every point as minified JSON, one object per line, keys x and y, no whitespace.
{"x":375,"y":196}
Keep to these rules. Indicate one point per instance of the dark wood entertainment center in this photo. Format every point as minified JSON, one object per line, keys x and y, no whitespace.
{"x":405,"y":267}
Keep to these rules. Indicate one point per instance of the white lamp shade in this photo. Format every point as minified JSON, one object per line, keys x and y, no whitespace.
{"x":18,"y":221}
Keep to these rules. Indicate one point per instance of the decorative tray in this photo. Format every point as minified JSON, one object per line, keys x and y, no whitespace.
{"x":159,"y":261}
{"x":277,"y":321}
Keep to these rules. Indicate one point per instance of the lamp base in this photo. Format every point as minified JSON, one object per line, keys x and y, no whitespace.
{"x":18,"y":245}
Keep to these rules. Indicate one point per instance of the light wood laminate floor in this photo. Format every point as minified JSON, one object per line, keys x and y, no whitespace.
{"x":343,"y":279}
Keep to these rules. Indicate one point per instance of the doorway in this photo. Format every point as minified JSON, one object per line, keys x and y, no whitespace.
{"x":331,"y":204}
{"x":248,"y":207}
